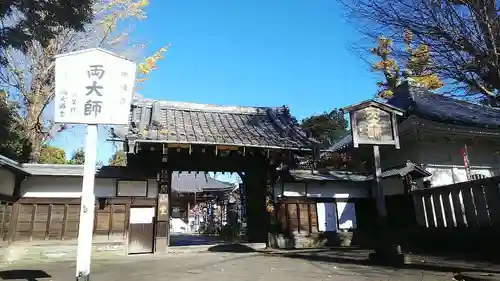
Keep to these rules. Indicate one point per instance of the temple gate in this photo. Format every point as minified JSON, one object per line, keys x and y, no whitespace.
{"x":252,"y":141}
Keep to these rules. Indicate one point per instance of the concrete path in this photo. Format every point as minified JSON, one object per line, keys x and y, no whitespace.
{"x":217,"y":266}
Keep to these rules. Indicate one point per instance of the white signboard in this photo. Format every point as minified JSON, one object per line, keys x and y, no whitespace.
{"x":132,"y":188}
{"x":93,"y":86}
{"x":141,"y":215}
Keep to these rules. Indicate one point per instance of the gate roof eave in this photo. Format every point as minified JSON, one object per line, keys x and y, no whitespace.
{"x":239,"y":145}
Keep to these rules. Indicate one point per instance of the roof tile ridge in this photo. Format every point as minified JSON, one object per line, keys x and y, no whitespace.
{"x":203,"y":107}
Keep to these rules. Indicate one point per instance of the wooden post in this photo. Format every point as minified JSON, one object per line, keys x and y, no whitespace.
{"x":49,"y":222}
{"x":162,"y":234}
{"x":32,"y":221}
{"x":379,"y":190}
{"x":65,"y":221}
{"x":380,"y":203}
{"x":13,"y":221}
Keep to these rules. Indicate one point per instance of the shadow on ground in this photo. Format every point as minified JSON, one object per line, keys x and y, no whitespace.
{"x":23,"y":274}
{"x":231,"y":248}
{"x":360,"y":257}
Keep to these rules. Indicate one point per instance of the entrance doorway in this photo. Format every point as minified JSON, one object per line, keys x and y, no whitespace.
{"x":204,"y":208}
{"x":140,"y":237}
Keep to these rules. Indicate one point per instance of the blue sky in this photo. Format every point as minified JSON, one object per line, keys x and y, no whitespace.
{"x":254,"y":53}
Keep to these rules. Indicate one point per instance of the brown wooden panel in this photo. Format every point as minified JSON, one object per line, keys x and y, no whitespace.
{"x":313,"y":217}
{"x":101,"y":226}
{"x":72,"y":222}
{"x":118,"y":226}
{"x":282,"y":216}
{"x":40,"y":222}
{"x":24,"y":223}
{"x":140,"y":237}
{"x":292,"y":217}
{"x":56,"y":222}
{"x":13,"y":222}
{"x":304,"y":218}
{"x":6,"y":217}
{"x":65,"y":221}
{"x":52,"y":219}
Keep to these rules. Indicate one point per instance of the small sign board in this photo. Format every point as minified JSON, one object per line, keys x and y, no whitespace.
{"x":374,"y":123}
{"x":93,"y":86}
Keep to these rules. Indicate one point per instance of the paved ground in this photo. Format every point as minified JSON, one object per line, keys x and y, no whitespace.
{"x":218,"y":266}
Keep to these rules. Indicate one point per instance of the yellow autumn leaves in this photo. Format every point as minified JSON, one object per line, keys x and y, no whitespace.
{"x":116,"y":10}
{"x":417,"y":64}
{"x":150,"y":63}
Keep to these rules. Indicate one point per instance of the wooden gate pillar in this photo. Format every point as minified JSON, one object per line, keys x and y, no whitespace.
{"x":162,"y":232}
{"x":257,"y":219}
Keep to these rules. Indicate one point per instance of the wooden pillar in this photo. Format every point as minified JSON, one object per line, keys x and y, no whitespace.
{"x":162,"y":234}
{"x":13,"y":221}
{"x":256,"y":214}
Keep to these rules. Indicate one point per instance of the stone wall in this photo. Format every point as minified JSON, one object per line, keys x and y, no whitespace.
{"x":316,"y":240}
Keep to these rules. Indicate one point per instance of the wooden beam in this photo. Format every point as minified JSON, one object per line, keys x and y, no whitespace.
{"x":127,"y":221}
{"x":32,"y":222}
{"x":65,"y":221}
{"x":49,"y":221}
{"x":14,"y":218}
{"x":6,"y":205}
{"x":110,"y":225}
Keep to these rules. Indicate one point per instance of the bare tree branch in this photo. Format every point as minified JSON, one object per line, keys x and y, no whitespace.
{"x":463,"y":35}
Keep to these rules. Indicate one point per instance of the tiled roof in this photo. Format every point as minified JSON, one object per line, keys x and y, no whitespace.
{"x":335,"y":175}
{"x":12,"y":165}
{"x":416,"y":101}
{"x":436,"y":107}
{"x":177,"y":122}
{"x":185,"y":182}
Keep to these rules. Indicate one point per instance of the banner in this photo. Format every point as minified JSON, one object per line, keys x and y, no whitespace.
{"x":465,"y":156}
{"x":243,"y":202}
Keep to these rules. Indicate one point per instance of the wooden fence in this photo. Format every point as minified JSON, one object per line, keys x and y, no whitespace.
{"x":469,"y":204}
{"x":35,"y":219}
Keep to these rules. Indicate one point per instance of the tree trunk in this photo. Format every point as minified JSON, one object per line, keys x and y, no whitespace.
{"x":34,"y":134}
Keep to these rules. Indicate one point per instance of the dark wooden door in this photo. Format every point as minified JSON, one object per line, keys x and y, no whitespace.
{"x":140,"y":237}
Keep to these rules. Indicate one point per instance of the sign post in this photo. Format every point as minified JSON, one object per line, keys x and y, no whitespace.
{"x":93,"y":87}
{"x":375,"y":123}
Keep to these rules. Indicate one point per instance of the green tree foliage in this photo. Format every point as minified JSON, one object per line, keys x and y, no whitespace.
{"x":326,"y":127}
{"x":52,"y":155}
{"x":13,"y":141}
{"x":118,"y":159}
{"x":23,"y":22}
{"x":417,"y":65}
{"x":78,"y":157}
